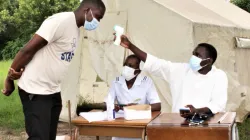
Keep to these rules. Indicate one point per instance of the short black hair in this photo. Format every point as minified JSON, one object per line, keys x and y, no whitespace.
{"x":211,"y":51}
{"x":135,"y":57}
{"x":97,"y":3}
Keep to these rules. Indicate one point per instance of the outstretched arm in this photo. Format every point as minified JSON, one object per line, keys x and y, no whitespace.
{"x":127,"y":44}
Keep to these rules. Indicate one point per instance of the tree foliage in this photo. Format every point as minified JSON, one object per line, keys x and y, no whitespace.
{"x":19,"y":19}
{"x":243,"y":4}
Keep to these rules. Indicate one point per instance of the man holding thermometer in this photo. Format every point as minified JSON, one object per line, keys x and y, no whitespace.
{"x":197,"y":86}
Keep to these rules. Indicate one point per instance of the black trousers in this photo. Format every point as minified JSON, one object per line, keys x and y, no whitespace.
{"x":41,"y":114}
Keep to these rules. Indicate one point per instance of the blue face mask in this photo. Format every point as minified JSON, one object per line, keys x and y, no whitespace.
{"x":195,"y":63}
{"x":92,"y":25}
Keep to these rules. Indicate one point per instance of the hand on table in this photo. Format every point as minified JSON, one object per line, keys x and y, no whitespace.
{"x":192,"y":109}
{"x":117,"y":107}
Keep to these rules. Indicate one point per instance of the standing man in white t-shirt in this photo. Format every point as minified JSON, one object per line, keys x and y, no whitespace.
{"x":197,"y":85}
{"x":46,"y":58}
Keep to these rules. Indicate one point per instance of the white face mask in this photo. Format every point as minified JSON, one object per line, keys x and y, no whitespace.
{"x":128,"y":73}
{"x":92,"y":25}
{"x":195,"y":63}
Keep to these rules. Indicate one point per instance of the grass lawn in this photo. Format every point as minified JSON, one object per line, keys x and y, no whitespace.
{"x":244,"y":130}
{"x":11,"y":114}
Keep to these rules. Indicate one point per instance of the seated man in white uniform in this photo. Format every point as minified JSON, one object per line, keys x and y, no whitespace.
{"x":199,"y":85}
{"x":132,"y":88}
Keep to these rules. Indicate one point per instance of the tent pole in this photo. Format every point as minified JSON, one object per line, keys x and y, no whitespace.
{"x":70,"y":126}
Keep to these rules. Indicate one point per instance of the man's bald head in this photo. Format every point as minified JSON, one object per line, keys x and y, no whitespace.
{"x":95,"y":4}
{"x":88,"y":10}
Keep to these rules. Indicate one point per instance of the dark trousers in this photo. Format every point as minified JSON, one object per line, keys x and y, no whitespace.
{"x":41,"y":114}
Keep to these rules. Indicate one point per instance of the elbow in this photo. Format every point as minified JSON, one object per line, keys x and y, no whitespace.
{"x":156,"y":107}
{"x":159,"y":108}
{"x":144,"y":58}
{"x":216,"y":109}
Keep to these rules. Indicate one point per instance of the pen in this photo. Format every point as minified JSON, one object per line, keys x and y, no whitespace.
{"x":136,"y":100}
{"x":223,"y":117}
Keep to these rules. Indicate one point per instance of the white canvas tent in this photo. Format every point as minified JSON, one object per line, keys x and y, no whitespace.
{"x":169,"y":29}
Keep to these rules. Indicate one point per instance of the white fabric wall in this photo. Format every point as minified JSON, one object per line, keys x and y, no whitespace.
{"x":154,"y":33}
{"x":71,"y":84}
{"x":164,"y":29}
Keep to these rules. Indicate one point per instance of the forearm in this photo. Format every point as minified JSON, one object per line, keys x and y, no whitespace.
{"x":203,"y":110}
{"x":139,"y":53}
{"x":21,"y":59}
{"x":156,"y":107}
{"x":25,"y":55}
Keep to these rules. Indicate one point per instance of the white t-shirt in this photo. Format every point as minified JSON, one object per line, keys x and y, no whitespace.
{"x":189,"y":87}
{"x":45,"y":71}
{"x":142,"y":89}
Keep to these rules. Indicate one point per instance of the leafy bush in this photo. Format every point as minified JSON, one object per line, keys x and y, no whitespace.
{"x":243,"y":4}
{"x":12,"y":47}
{"x":19,"y":19}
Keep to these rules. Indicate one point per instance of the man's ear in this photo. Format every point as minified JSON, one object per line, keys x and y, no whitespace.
{"x":86,"y":10}
{"x":210,"y":61}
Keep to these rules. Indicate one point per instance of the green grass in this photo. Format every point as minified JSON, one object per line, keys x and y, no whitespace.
{"x":244,"y":130}
{"x":11,"y":114}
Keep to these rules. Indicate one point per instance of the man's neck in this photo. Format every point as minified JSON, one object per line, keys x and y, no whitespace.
{"x":79,"y":20}
{"x":131,"y":82}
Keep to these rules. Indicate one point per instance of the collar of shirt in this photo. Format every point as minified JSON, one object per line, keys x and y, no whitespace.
{"x":137,"y":82}
{"x":208,"y":74}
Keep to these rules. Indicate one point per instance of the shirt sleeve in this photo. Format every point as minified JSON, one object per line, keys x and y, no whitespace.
{"x":219,"y":95}
{"x":152,"y":95}
{"x":160,"y":68}
{"x":111,"y":93}
{"x":48,"y":29}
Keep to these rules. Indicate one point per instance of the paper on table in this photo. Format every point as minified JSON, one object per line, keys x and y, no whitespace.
{"x":62,"y":138}
{"x":119,"y":114}
{"x":100,"y":116}
{"x":94,"y":116}
{"x":137,"y":115}
{"x":136,"y":112}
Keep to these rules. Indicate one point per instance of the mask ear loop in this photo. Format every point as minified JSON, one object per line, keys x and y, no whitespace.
{"x":91,"y":14}
{"x":205,"y":60}
{"x":85,"y":17}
